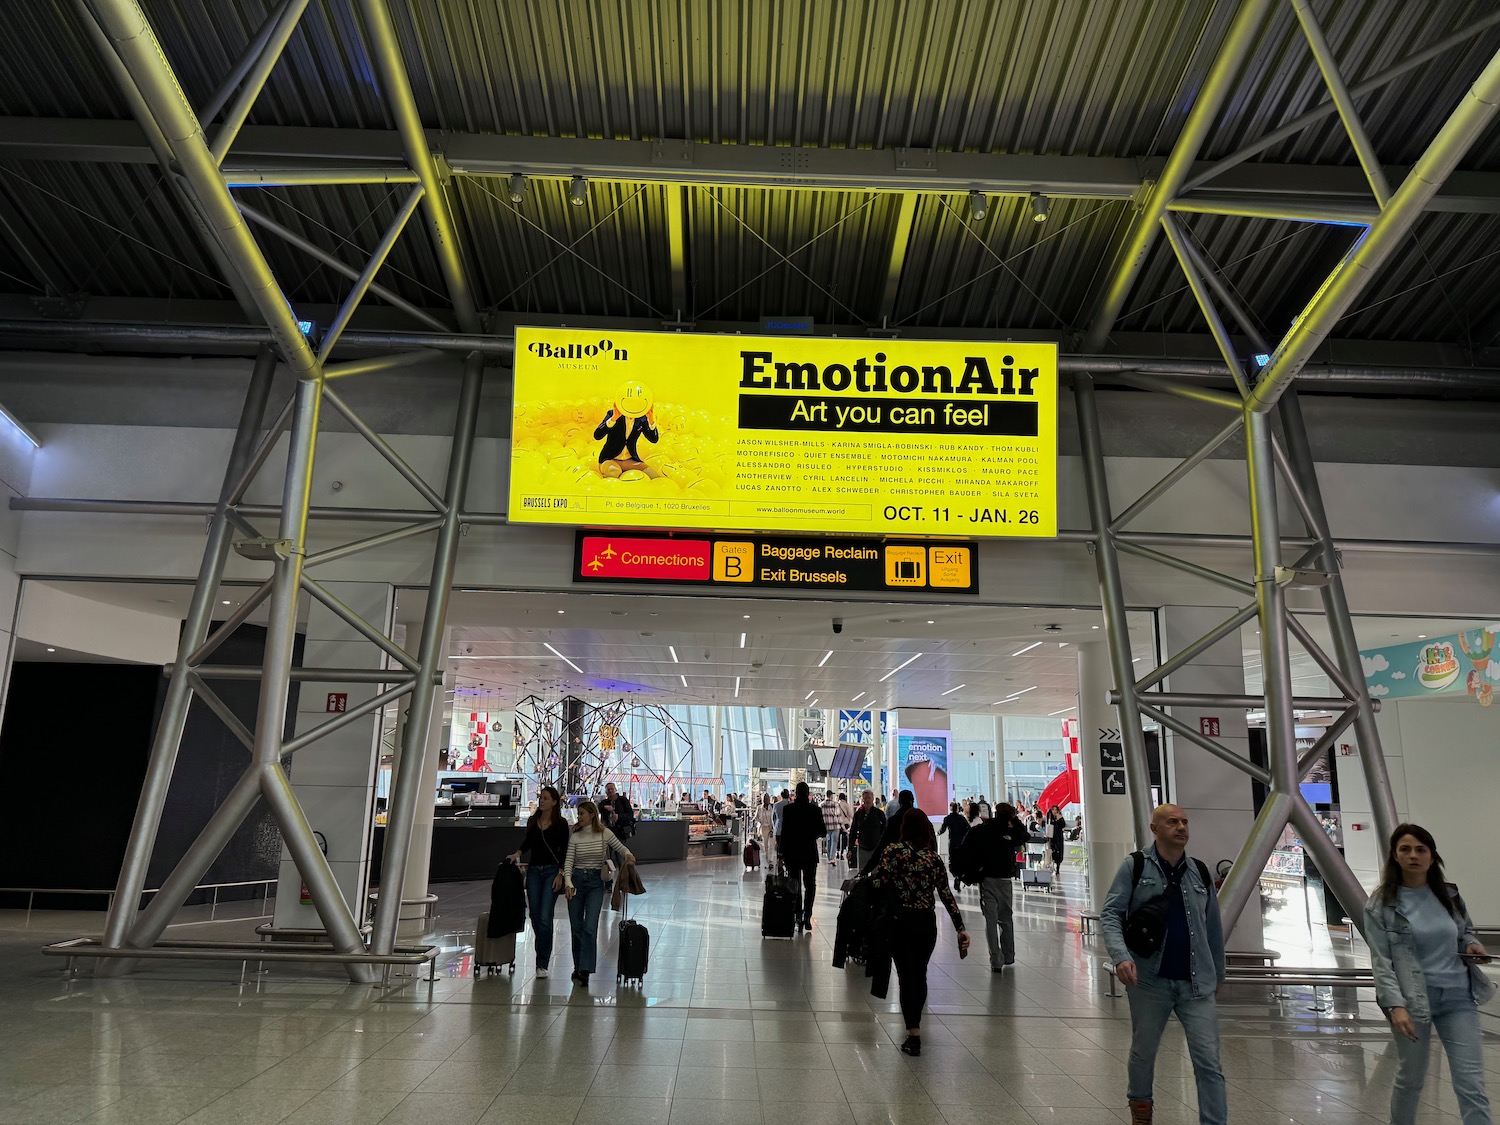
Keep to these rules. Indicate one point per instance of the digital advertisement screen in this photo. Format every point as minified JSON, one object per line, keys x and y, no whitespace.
{"x":769,"y":433}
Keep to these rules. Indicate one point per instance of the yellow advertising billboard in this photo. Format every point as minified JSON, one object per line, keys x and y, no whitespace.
{"x":771,"y":433}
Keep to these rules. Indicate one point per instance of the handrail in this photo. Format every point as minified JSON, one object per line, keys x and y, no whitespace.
{"x":109,"y":893}
{"x":244,"y":952}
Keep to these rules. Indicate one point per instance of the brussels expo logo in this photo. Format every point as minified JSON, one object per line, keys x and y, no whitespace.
{"x":601,"y":349}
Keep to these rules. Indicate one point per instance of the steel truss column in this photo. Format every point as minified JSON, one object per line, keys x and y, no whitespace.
{"x":276,"y":681}
{"x":407,"y":789}
{"x":137,"y":859}
{"x":1336,"y":606}
{"x":1276,"y":668}
{"x":1112,"y":596}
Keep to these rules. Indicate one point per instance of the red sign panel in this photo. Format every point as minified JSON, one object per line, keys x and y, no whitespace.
{"x":671,"y":560}
{"x":338,"y":702}
{"x":1208,"y":725}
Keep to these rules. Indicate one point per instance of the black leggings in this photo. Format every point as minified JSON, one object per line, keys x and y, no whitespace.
{"x":913,"y":940}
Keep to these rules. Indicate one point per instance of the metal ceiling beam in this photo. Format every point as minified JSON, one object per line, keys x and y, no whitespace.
{"x":385,"y":51}
{"x":1131,"y":258}
{"x":142,"y":56}
{"x":265,"y":155}
{"x":1371,"y":250}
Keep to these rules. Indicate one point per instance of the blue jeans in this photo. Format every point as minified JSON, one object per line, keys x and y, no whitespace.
{"x":1152,"y":1001}
{"x":541,"y":904}
{"x":1456,"y":1018}
{"x":831,"y":845}
{"x":583,"y":913}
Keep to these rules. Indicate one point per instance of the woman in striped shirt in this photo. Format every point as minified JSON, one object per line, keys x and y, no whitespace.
{"x":588,"y":847}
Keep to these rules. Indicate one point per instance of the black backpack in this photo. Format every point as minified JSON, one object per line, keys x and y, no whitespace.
{"x":1146,"y":924}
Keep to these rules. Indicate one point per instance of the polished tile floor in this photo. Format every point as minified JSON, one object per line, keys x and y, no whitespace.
{"x":727,"y":1028}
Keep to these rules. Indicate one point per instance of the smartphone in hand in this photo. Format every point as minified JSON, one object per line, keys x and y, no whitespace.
{"x":1475,"y":958}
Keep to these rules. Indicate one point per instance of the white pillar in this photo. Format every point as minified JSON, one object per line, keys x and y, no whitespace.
{"x":419,"y":854}
{"x":334,"y":779}
{"x":1108,"y":827}
{"x":1216,"y":796}
{"x":997,"y":791}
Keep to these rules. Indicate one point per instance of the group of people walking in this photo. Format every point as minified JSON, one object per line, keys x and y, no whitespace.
{"x":1160,"y":922}
{"x":568,"y":861}
{"x":1161,"y":925}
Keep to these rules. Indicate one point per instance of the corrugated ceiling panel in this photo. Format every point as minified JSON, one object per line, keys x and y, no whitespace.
{"x":605,"y":258}
{"x":1005,"y":271}
{"x":114,"y":228}
{"x":758,"y":253}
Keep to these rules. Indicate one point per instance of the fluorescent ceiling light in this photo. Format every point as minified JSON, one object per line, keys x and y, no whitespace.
{"x":736,"y":687}
{"x":900,"y":666}
{"x":826,"y":657}
{"x":563,"y":658}
{"x":742,"y":640}
{"x":857,"y":698}
{"x":1064,"y":711}
{"x":673,"y":651}
{"x":1028,"y":648}
{"x":808,"y":696}
{"x":951,"y":690}
{"x":683,"y":679}
{"x":1023,"y":691}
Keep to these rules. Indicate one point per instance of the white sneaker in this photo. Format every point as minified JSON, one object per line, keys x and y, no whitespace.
{"x":542,"y":974}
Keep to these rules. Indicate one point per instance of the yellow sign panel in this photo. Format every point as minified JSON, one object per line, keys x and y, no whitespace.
{"x":769,"y":433}
{"x":734,"y":562}
{"x":950,"y":567}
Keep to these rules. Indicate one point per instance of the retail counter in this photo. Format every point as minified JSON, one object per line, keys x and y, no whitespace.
{"x":464,"y":848}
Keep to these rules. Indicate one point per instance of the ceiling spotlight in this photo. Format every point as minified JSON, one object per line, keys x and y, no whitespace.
{"x":52,"y":650}
{"x":979,"y":206}
{"x":517,"y":186}
{"x":1039,"y":207}
{"x":578,"y":191}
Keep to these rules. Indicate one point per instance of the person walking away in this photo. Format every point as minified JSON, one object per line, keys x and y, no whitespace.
{"x":776,"y":812}
{"x":905,"y":802}
{"x":801,"y":833}
{"x":865,"y":828}
{"x":588,"y":847}
{"x":912,"y":872}
{"x":990,"y":853}
{"x":544,"y":845}
{"x":846,"y":815}
{"x":1056,"y":827}
{"x":1181,"y":974}
{"x":763,"y":820}
{"x":1426,"y":956}
{"x":617,"y":813}
{"x":982,"y":811}
{"x":956,"y":826}
{"x":835,"y":820}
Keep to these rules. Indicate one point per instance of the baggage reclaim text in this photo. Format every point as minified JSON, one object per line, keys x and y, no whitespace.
{"x":823,"y":551}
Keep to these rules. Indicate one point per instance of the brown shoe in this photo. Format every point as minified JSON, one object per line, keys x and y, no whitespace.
{"x":1140,"y":1113}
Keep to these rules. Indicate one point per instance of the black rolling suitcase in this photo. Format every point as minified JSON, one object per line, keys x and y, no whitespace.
{"x":635,"y":952}
{"x":778,"y":908}
{"x":635,"y":948}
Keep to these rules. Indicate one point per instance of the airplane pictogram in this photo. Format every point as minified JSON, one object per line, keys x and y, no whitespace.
{"x":595,"y":565}
{"x":608,"y":553}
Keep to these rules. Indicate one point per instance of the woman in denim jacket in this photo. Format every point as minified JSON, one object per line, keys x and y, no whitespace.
{"x":1425,"y":957}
